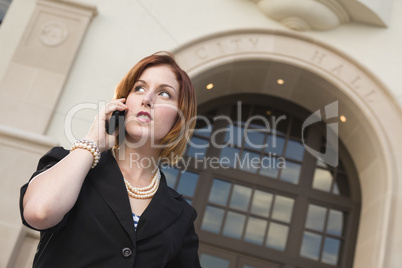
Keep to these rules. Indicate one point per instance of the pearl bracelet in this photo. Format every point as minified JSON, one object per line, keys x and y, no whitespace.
{"x":90,"y":146}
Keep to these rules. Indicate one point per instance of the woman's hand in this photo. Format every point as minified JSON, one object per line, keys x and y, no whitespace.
{"x":97,"y":132}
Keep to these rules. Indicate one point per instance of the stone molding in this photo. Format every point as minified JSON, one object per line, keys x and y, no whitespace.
{"x":24,"y":140}
{"x":321,"y":15}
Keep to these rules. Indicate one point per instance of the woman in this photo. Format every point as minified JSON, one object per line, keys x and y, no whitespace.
{"x":102,"y":207}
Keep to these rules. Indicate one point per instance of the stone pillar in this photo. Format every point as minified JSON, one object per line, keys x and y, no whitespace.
{"x":29,"y":93}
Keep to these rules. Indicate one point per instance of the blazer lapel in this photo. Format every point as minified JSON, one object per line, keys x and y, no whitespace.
{"x":108,"y":181}
{"x":160,"y":213}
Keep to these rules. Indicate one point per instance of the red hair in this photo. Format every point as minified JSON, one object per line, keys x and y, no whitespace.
{"x":181,"y":131}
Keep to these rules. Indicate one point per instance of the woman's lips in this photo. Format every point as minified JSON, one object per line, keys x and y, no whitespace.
{"x":144,"y":117}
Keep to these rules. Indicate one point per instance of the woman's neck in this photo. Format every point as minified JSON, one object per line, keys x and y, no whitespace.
{"x":138,"y":165}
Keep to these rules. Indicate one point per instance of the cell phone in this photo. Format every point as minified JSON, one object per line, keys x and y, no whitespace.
{"x":116,"y":122}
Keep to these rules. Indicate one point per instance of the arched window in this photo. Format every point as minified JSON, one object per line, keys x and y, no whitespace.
{"x":262,"y":199}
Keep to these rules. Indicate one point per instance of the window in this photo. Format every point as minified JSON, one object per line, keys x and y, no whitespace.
{"x":4,"y":4}
{"x":261,"y":198}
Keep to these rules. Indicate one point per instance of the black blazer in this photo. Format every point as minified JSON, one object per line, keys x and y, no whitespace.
{"x":99,"y":230}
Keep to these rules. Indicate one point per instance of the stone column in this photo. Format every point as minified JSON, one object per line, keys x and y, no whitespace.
{"x":29,"y":93}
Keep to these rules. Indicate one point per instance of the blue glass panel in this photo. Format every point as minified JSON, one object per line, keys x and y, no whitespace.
{"x":291,"y":172}
{"x":212,"y":220}
{"x":197,"y":147}
{"x":188,"y":182}
{"x":335,"y":222}
{"x":171,"y":176}
{"x":277,"y":236}
{"x":283,"y":208}
{"x":270,"y":166}
{"x":335,"y":189}
{"x":316,"y":217}
{"x":234,"y":225}
{"x":240,"y":197}
{"x":330,"y":254}
{"x":255,"y":230}
{"x":229,"y":156}
{"x":254,"y":139}
{"x":275,"y":145}
{"x":322,"y":179}
{"x":219,"y":193}
{"x":210,"y":261}
{"x":250,"y":162}
{"x":261,"y":203}
{"x":294,"y":150}
{"x":311,"y":246}
{"x":234,"y":135}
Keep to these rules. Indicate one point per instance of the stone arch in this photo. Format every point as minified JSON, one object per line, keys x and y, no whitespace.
{"x":373,"y":115}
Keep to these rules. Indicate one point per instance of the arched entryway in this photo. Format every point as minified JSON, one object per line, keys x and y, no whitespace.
{"x":315,"y":75}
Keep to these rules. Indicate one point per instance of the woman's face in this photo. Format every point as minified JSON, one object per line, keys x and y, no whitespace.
{"x":152,"y":105}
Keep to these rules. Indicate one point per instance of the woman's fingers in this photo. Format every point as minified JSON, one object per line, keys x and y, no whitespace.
{"x":115,"y":105}
{"x":97,"y":132}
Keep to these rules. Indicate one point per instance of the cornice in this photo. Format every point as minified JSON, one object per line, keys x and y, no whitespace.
{"x":322,"y":15}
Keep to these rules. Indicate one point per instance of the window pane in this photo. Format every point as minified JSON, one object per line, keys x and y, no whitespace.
{"x":255,"y":230}
{"x":210,"y":261}
{"x":234,"y":225}
{"x":220,"y":192}
{"x":240,"y":197}
{"x":311,"y":246}
{"x":331,"y":251}
{"x":291,"y":172}
{"x":171,"y":176}
{"x":275,"y":145}
{"x":280,"y":122}
{"x":294,"y":150}
{"x":250,"y":162}
{"x":255,"y":139}
{"x":322,"y":180}
{"x":212,"y":220}
{"x":270,"y":166}
{"x":197,"y":147}
{"x":283,"y":208}
{"x":335,"y":222}
{"x":316,"y":217}
{"x":335,"y":189}
{"x":228,"y":156}
{"x":261,"y":203}
{"x":205,"y":130}
{"x":188,"y":182}
{"x":234,"y":135}
{"x":277,"y":236}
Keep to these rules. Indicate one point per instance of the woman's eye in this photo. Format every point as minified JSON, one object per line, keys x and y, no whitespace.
{"x":139,"y":88}
{"x":165,"y":94}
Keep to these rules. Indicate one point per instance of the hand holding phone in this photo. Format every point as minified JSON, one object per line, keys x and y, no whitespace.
{"x":116,"y":122}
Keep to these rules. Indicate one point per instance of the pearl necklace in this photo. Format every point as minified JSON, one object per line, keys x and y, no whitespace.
{"x":142,"y":192}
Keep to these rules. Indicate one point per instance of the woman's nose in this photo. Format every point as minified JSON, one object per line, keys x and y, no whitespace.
{"x":147,"y":100}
